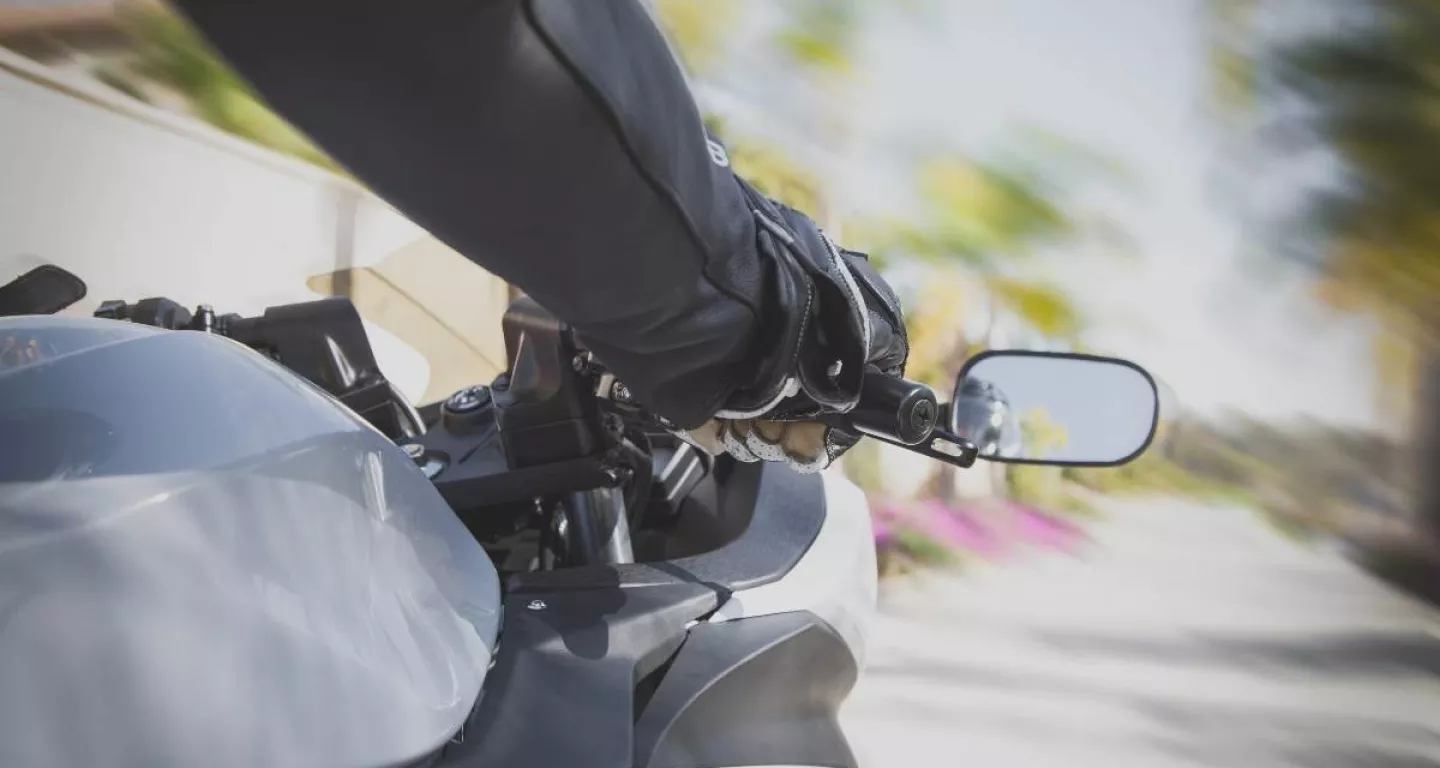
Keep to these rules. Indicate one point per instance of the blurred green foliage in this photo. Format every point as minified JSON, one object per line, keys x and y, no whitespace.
{"x":1040,"y":486}
{"x":821,"y":34}
{"x":994,"y":220}
{"x":696,"y":29}
{"x":1303,"y":476}
{"x":1041,"y":434}
{"x":923,"y":549}
{"x":974,"y":212}
{"x":910,"y":549}
{"x":772,"y":171}
{"x":821,"y":37}
{"x":171,"y":55}
{"x":1233,"y":67}
{"x":1037,"y":486}
{"x":1154,"y":474}
{"x":1373,"y":96}
{"x":1364,"y":88}
{"x":1043,"y":305}
{"x":818,"y":37}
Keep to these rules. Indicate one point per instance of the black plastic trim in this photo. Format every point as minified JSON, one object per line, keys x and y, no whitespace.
{"x":561,"y":690}
{"x":586,"y":653}
{"x":44,"y":290}
{"x":789,"y":511}
{"x":761,"y":691}
{"x":619,"y":680}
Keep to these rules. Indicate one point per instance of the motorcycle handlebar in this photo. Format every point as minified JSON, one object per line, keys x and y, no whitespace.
{"x":894,"y":409}
{"x":890,"y":408}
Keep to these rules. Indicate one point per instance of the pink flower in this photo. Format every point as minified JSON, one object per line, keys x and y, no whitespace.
{"x":959,"y":529}
{"x":1045,"y":530}
{"x":884,"y":532}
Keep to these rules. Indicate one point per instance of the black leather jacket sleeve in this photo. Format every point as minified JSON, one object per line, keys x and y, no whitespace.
{"x":553,"y":142}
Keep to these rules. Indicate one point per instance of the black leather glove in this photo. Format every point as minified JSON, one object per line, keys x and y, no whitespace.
{"x":835,"y":319}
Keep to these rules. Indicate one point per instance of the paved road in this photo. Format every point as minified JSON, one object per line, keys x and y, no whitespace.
{"x":1182,"y":636}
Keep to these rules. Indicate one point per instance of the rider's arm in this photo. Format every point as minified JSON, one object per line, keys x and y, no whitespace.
{"x":554,"y":143}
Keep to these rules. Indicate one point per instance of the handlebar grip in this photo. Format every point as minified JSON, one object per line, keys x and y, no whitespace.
{"x":894,"y":409}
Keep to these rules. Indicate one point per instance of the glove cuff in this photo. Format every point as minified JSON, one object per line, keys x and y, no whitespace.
{"x":813,"y":351}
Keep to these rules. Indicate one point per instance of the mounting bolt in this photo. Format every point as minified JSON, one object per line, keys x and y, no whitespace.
{"x":467,"y":400}
{"x":580,"y":365}
{"x":922,"y":417}
{"x":204,"y":319}
{"x":613,"y":424}
{"x":536,"y":605}
{"x":618,"y":475}
{"x":620,"y":392}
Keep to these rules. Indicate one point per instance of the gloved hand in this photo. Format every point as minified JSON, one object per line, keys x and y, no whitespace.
{"x":834,"y":319}
{"x":807,"y":446}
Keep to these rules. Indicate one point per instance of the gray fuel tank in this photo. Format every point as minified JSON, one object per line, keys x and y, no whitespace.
{"x":206,"y":561}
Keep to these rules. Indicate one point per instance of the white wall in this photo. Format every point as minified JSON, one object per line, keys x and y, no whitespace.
{"x":140,"y":202}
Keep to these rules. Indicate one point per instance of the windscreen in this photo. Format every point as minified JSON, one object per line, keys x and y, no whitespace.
{"x":205,"y":561}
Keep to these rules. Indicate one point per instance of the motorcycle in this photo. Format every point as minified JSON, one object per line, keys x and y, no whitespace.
{"x":230,"y":540}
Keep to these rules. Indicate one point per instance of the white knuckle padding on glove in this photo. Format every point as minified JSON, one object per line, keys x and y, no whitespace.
{"x":801,"y":445}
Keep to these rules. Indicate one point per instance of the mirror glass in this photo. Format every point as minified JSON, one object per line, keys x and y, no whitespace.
{"x":1054,"y":408}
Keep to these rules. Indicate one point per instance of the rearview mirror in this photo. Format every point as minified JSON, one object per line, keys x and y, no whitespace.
{"x":1055,"y":408}
{"x":44,"y":290}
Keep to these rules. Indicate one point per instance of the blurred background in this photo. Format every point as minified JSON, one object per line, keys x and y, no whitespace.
{"x":1241,"y":195}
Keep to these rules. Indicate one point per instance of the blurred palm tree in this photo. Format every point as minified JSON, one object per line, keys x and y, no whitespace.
{"x":979,"y":215}
{"x":988,"y":218}
{"x":975,"y":218}
{"x":1365,"y":88}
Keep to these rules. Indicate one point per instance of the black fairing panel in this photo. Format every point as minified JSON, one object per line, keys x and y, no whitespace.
{"x":561,"y":692}
{"x":614,"y":666}
{"x":789,"y":509}
{"x":762,"y":691}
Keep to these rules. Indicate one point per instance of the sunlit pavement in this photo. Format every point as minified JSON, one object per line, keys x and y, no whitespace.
{"x":1182,"y":636}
